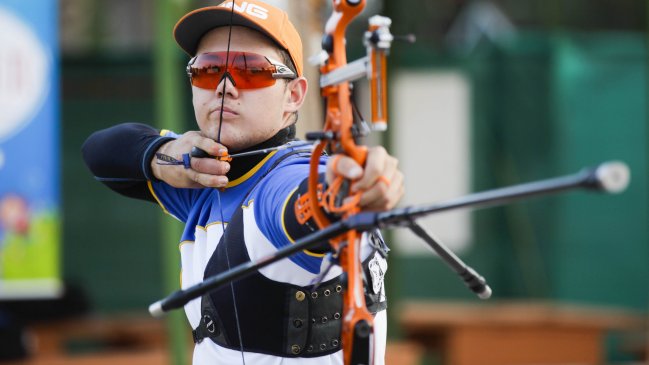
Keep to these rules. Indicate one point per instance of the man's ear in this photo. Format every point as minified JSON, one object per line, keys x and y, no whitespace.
{"x":296,"y":93}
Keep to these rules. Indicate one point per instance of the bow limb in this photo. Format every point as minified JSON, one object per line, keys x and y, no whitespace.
{"x":339,"y":109}
{"x":339,"y":116}
{"x":358,"y":323}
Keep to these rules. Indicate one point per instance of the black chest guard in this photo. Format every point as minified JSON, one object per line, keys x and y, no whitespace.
{"x":277,"y":318}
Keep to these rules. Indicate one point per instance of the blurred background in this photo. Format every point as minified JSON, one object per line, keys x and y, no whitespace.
{"x":492,"y":93}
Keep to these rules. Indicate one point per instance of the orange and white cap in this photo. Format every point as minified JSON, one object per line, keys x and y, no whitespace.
{"x":265,"y":18}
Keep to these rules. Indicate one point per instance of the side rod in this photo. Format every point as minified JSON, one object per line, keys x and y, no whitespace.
{"x":609,"y":177}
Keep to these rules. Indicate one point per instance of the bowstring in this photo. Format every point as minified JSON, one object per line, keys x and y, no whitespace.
{"x":226,"y":76}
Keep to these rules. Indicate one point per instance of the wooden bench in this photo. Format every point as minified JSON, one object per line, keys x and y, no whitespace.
{"x":131,"y":340}
{"x":123,"y":340}
{"x":513,"y":333}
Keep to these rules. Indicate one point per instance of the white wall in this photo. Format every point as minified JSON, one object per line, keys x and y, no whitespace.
{"x":430,"y":131}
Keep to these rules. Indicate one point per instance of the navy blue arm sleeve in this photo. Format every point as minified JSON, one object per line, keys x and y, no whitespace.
{"x":120,"y":157}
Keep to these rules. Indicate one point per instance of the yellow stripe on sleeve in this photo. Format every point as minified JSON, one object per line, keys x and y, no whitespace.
{"x":150,"y":185}
{"x":252,"y":171}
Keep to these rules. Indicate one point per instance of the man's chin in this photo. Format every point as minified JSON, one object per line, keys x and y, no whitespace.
{"x":232,"y":144}
{"x":214,"y":136}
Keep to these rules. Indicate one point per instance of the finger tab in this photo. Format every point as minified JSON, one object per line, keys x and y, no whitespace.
{"x":199,"y":153}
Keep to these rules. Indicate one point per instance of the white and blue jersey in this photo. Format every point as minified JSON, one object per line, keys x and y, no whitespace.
{"x":206,"y":212}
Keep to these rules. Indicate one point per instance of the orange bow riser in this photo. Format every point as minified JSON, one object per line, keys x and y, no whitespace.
{"x":340,"y":138}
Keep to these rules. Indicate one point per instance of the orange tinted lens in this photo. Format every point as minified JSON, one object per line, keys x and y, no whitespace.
{"x":207,"y":70}
{"x":249,"y":70}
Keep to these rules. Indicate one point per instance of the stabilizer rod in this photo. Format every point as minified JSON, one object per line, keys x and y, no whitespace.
{"x":611,"y":177}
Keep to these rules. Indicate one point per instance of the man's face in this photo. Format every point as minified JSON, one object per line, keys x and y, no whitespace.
{"x":250,"y":116}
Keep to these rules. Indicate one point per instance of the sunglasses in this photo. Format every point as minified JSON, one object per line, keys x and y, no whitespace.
{"x":245,"y":70}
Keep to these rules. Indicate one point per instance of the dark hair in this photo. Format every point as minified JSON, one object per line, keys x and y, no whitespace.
{"x":286,"y":59}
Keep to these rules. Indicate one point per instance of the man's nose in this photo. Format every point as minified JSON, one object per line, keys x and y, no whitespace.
{"x":227,"y":86}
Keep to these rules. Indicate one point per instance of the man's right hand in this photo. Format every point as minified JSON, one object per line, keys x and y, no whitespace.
{"x":204,"y":172}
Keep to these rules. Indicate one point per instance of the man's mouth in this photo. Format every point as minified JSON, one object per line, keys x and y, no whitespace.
{"x":227,"y":112}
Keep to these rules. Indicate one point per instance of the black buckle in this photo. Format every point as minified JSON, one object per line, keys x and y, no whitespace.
{"x":198,"y":337}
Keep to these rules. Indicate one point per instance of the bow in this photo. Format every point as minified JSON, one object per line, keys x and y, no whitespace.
{"x":339,"y":136}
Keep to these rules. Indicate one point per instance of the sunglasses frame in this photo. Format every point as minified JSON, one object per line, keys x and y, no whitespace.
{"x":281,"y":70}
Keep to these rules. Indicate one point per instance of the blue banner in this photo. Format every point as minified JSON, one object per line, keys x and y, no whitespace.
{"x":29,"y":149}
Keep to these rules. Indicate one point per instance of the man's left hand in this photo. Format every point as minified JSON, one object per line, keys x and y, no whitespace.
{"x":380,"y":181}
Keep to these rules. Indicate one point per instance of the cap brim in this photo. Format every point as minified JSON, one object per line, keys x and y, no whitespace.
{"x":192,"y":27}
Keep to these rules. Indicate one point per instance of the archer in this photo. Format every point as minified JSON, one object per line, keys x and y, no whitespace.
{"x":247,"y":87}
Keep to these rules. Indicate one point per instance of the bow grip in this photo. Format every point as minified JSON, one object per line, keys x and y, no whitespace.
{"x":338,"y":191}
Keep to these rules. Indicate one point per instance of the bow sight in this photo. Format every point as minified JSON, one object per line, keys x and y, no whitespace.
{"x":377,"y":41}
